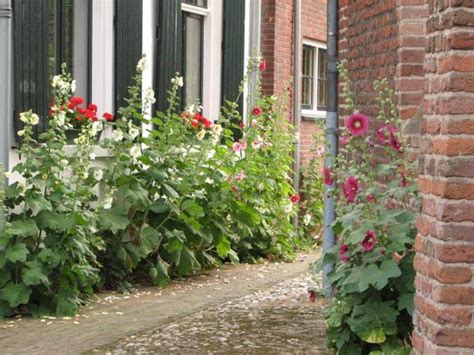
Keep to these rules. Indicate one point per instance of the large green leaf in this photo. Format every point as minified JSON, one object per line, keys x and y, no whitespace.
{"x":17,"y":252}
{"x":245,"y":214}
{"x":223,"y":246}
{"x":15,"y":294}
{"x":160,"y":206}
{"x":150,"y":239}
{"x":159,"y":273}
{"x":406,"y":302}
{"x":193,"y":208}
{"x":38,"y":203}
{"x":34,"y":274}
{"x":373,"y":336}
{"x":114,"y":219}
{"x":56,"y":221}
{"x":187,"y":262}
{"x":23,"y":228}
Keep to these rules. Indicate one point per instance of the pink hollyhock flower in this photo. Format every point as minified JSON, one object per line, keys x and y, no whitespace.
{"x":243,"y":144}
{"x":370,"y":198}
{"x":344,"y":140}
{"x":254,"y":122}
{"x":240,"y":176}
{"x":295,"y":198}
{"x":256,"y":144}
{"x":241,"y":125}
{"x":263,"y":65}
{"x":312,"y":296}
{"x":320,"y":151}
{"x":351,"y":188}
{"x":357,"y":124}
{"x":236,"y":147}
{"x":369,"y":241}
{"x":343,"y":249}
{"x":257,"y":111}
{"x":327,"y":175}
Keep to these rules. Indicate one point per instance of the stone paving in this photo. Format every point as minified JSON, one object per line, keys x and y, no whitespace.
{"x":278,"y":320}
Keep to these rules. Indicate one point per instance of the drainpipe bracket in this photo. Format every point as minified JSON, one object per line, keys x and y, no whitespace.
{"x":332,"y":66}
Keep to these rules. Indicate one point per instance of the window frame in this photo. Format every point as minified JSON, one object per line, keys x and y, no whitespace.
{"x":315,"y":111}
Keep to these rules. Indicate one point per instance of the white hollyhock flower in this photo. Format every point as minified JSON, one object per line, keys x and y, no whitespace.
{"x":34,"y":119}
{"x":133,"y":132}
{"x":209,"y":181}
{"x":98,"y":174}
{"x":150,"y":95}
{"x":217,"y":129}
{"x":117,"y":135}
{"x":57,"y":81}
{"x":92,"y":156}
{"x":178,"y":81}
{"x":107,"y":203}
{"x":24,"y":117}
{"x":73,"y":86}
{"x":21,"y":133}
{"x":200,"y":136}
{"x":85,"y":175}
{"x":61,"y":119}
{"x":306,"y":219}
{"x":141,"y":66}
{"x":288,"y":208}
{"x":135,"y":151}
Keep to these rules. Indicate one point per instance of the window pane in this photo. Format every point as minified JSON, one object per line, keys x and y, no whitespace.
{"x":322,"y":97}
{"x":193,"y":58}
{"x":307,"y":78}
{"x":202,"y":3}
{"x":80,"y":46}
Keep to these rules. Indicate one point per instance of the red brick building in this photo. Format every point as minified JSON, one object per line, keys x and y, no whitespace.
{"x":426,"y":49}
{"x":277,"y":47}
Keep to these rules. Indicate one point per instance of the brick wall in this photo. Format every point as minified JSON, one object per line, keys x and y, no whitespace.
{"x":277,"y":48}
{"x":445,"y":244}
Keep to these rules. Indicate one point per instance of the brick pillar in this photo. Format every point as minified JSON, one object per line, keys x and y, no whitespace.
{"x":445,"y":244}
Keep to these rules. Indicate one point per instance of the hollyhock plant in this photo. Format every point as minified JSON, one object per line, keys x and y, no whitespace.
{"x":370,"y":241}
{"x":357,"y":124}
{"x":108,"y":116}
{"x":351,"y":188}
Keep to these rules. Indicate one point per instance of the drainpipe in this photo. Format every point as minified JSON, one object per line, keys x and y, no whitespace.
{"x":297,"y":98}
{"x":5,"y":78}
{"x":331,"y":136}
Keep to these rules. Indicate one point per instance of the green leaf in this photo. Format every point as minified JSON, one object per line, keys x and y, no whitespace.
{"x":187,"y":262}
{"x":368,"y":276}
{"x":373,"y":336}
{"x":5,"y":276}
{"x":169,"y":191}
{"x":406,"y":302}
{"x":159,"y":206}
{"x":17,"y":252}
{"x":137,"y":196}
{"x":15,"y":294}
{"x":223,"y":246}
{"x":38,"y":203}
{"x":389,"y":269}
{"x":150,"y":239}
{"x":114,"y":219}
{"x":56,"y":221}
{"x":34,"y":274}
{"x":245,"y":214}
{"x":161,"y":278}
{"x":193,"y":208}
{"x":5,"y":310}
{"x":23,"y":228}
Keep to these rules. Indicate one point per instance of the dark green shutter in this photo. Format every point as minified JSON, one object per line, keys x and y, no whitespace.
{"x":128,"y":45}
{"x":169,"y":48}
{"x":233,"y":50}
{"x":30,"y":21}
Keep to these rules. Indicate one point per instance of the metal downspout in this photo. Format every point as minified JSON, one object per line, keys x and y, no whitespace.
{"x":5,"y":78}
{"x":331,"y":135}
{"x":297,"y":98}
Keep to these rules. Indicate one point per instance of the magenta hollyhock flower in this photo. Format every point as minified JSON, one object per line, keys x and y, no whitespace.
{"x":312,"y":296}
{"x":370,"y":198}
{"x":383,"y":133}
{"x":369,"y":241}
{"x":357,"y":124}
{"x":237,"y":147}
{"x":394,"y":142}
{"x":344,"y":140}
{"x":351,"y":188}
{"x":403,"y":180}
{"x":327,"y":175}
{"x":343,"y":249}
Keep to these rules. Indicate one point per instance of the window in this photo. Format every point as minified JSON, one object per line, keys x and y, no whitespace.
{"x":192,"y":54}
{"x":201,"y":3}
{"x":313,"y":80}
{"x":48,"y":33}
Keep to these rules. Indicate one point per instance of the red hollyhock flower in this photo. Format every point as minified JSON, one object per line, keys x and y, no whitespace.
{"x":195,"y":123}
{"x":257,"y":111}
{"x":75,"y":101}
{"x":108,"y":116}
{"x":92,"y":107}
{"x":185,"y":115}
{"x":343,"y":249}
{"x":327,"y":174}
{"x":241,"y":125}
{"x":263,"y":65}
{"x":312,"y":296}
{"x":90,"y":115}
{"x":351,"y":188}
{"x":357,"y":124}
{"x":295,"y":198}
{"x":369,"y":241}
{"x":81,"y":111}
{"x":206,"y":122}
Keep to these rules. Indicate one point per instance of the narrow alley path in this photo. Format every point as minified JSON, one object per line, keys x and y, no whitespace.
{"x":234,"y":309}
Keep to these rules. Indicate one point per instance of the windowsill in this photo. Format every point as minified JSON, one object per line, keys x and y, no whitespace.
{"x":307,"y":115}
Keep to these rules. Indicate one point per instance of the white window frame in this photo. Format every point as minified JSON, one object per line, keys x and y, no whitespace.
{"x":314,"y":113}
{"x":211,"y":71}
